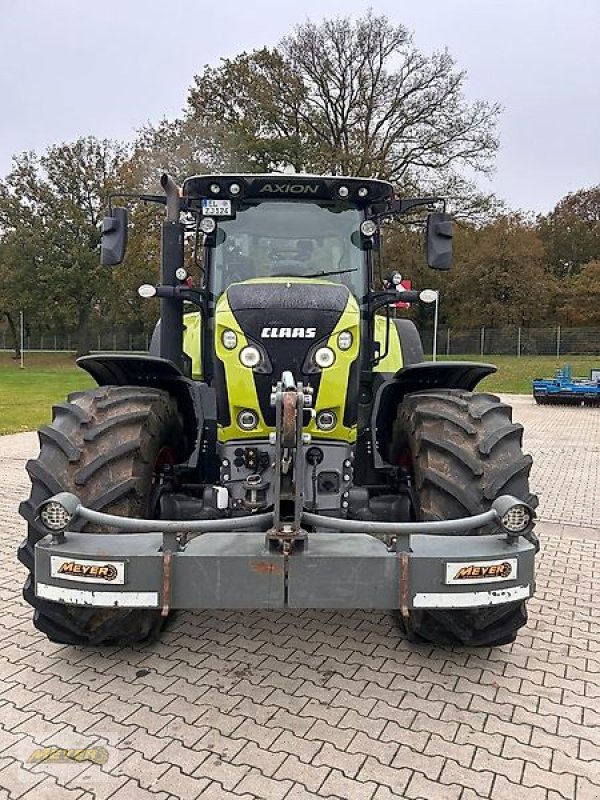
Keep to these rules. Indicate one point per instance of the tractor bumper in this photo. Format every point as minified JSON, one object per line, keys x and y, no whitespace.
{"x":240,"y":570}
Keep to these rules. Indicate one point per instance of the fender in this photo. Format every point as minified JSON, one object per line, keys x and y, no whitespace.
{"x":417,"y":378}
{"x":196,"y":400}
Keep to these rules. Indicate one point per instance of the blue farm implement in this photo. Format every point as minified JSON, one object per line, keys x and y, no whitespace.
{"x":563,"y":389}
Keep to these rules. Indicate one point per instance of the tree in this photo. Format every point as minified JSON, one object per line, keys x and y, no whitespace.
{"x":582,"y":306}
{"x":50,"y":208}
{"x":346,"y":97}
{"x":571,"y":232}
{"x":500,"y":276}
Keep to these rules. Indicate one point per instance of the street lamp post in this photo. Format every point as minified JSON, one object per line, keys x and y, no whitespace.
{"x":433,"y":296}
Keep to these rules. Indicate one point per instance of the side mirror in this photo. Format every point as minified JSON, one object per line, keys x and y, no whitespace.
{"x":114,"y":237}
{"x":439,"y":241}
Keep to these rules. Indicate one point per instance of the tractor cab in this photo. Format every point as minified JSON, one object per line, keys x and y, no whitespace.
{"x":288,"y":271}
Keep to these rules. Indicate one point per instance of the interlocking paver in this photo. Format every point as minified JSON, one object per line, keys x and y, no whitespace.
{"x":309,"y":775}
{"x":324,"y":704}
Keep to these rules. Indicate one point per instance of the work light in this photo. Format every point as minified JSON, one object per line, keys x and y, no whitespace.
{"x":344,"y":340}
{"x":514,"y":515}
{"x":326,"y":420}
{"x":229,"y":339}
{"x":247,"y":419}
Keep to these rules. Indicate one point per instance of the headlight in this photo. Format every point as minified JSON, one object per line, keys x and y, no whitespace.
{"x":324,"y":357}
{"x":229,"y":339}
{"x":247,"y":419}
{"x":326,"y":420}
{"x":250,"y":356}
{"x":207,"y":225}
{"x":368,"y":228}
{"x":344,"y":340}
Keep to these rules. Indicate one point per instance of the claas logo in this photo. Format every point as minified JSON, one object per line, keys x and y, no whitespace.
{"x":107,"y":572}
{"x":484,"y":571}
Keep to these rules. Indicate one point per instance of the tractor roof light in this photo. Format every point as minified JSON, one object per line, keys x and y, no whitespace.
{"x":343,"y":191}
{"x":363,"y":191}
{"x":235,"y":189}
{"x":215,"y":188}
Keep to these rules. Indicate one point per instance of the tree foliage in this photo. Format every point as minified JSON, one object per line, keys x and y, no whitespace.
{"x":50,"y":208}
{"x":571,"y":232}
{"x":340,"y":97}
{"x":348,"y":97}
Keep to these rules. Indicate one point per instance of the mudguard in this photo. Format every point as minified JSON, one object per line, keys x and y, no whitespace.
{"x":417,"y":378}
{"x":196,"y":400}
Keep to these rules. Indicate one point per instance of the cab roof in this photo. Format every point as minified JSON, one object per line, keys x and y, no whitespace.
{"x":359,"y":191}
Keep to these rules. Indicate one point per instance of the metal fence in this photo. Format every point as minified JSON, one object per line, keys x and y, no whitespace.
{"x":548,"y":341}
{"x":552,"y":341}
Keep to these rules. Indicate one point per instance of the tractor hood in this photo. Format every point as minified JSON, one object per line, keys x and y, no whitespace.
{"x":287,"y":320}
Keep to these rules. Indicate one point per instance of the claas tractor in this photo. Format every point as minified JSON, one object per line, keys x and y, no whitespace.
{"x":284,"y":444}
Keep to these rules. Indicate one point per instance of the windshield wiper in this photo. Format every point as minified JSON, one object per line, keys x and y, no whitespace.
{"x":325,"y":274}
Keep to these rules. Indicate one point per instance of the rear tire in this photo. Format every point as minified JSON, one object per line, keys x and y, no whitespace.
{"x":102,"y":445}
{"x":465,"y":451}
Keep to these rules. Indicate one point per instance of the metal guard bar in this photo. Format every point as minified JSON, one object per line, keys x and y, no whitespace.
{"x":439,"y":527}
{"x":262,"y":522}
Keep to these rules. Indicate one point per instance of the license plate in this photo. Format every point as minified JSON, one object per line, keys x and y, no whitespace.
{"x":468,"y":572}
{"x":216,"y":208}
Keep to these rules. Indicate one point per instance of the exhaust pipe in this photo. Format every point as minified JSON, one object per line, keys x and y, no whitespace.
{"x":172,"y":191}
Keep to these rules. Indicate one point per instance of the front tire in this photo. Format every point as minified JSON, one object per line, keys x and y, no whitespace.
{"x":464,"y":451}
{"x":102,"y":445}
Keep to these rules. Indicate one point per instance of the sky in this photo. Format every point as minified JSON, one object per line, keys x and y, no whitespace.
{"x":71,"y":68}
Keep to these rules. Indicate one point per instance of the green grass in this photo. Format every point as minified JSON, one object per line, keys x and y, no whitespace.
{"x":515,"y":375}
{"x":27,"y":395}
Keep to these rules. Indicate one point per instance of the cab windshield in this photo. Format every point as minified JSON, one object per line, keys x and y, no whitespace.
{"x":290,"y":238}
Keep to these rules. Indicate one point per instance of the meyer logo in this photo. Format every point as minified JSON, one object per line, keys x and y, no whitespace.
{"x":290,"y":188}
{"x":288,"y":333}
{"x":481,"y":571}
{"x":478,"y":571}
{"x":107,"y":572}
{"x":83,"y":569}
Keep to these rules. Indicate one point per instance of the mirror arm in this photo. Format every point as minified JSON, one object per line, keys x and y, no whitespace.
{"x":379,"y":299}
{"x":145,"y":198}
{"x":399,"y":206}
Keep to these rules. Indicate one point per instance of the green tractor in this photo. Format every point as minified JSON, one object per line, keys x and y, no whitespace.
{"x":284,"y":444}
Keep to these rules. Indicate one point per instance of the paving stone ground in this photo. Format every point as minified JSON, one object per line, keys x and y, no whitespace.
{"x":324,"y":704}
